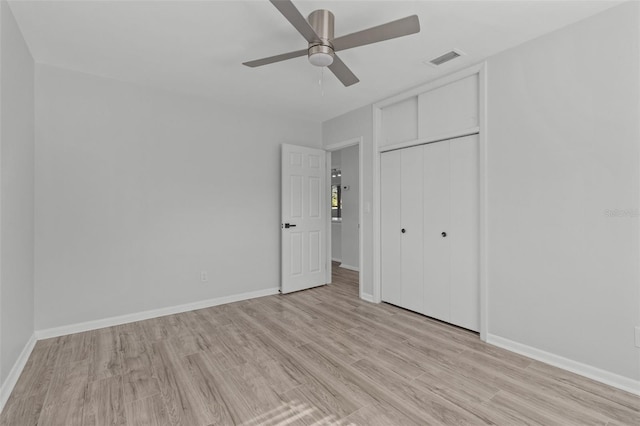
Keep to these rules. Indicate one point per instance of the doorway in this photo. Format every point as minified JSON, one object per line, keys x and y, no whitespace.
{"x":344,"y":245}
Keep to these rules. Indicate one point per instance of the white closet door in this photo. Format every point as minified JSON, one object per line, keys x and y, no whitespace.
{"x":390,"y":182}
{"x":437,"y":258}
{"x":464,"y":236}
{"x":432,"y":193}
{"x":411,"y":216}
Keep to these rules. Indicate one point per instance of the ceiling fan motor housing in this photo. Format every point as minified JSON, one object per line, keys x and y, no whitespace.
{"x":321,"y":51}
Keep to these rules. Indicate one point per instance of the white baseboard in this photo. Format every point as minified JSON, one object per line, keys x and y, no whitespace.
{"x":139,"y":316}
{"x":349,"y":267}
{"x":16,"y":370}
{"x":603,"y":376}
{"x":367,"y":297}
{"x":336,"y":260}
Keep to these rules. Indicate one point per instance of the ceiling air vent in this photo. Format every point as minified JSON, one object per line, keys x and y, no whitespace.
{"x":436,"y":62}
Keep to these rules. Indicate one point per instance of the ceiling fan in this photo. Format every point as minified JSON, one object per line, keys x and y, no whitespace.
{"x":317,"y":29}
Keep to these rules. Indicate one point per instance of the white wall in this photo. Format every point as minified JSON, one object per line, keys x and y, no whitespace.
{"x":350,"y":208}
{"x":563,"y":149}
{"x":138,"y":191}
{"x":355,"y":124}
{"x":16,"y":192}
{"x":563,"y":139}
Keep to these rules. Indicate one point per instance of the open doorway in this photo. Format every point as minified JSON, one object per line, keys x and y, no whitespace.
{"x":344,"y":248}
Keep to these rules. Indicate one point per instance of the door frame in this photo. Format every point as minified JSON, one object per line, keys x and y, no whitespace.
{"x":481,"y":130}
{"x":329,"y":149}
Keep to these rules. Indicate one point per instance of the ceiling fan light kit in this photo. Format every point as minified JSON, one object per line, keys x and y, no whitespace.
{"x":321,"y":56}
{"x":317,"y":29}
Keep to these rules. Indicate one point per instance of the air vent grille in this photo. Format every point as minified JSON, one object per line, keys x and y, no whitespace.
{"x":445,"y":58}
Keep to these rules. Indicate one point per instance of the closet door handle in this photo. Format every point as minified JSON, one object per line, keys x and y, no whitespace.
{"x":403,"y":230}
{"x":444,"y":234}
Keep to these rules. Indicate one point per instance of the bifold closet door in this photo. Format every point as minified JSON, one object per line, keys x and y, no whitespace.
{"x":430,"y":230}
{"x":390,"y":235}
{"x":465,"y":233}
{"x":436,"y":198}
{"x":402,"y":228}
{"x":412,"y":228}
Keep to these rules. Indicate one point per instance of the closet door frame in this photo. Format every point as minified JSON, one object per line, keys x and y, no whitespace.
{"x":480,"y":130}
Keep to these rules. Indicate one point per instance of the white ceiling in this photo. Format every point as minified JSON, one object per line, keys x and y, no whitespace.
{"x":197,"y":47}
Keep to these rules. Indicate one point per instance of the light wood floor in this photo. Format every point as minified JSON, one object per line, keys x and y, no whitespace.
{"x":316,"y":357}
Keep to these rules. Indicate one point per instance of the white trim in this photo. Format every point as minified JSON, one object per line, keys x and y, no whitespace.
{"x":603,"y":376}
{"x":154,"y":313}
{"x":638,"y":260}
{"x":328,"y":270}
{"x":16,"y":370}
{"x":377,"y":256}
{"x":336,"y":260}
{"x":367,"y":298}
{"x":434,"y":84}
{"x":359,"y":141}
{"x":360,"y":214}
{"x":349,"y":267}
{"x":483,"y":159}
{"x":344,"y":144}
{"x":437,"y":138}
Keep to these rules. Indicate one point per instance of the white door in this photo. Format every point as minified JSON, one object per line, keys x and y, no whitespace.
{"x":430,"y":230}
{"x":303,"y":227}
{"x":465,"y":231}
{"x":390,"y":236}
{"x":437,"y":257}
{"x":402,"y":228}
{"x":411,"y":231}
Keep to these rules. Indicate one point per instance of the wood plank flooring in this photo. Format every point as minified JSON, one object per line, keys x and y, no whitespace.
{"x":316,"y":357}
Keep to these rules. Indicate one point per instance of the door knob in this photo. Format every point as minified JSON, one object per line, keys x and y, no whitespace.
{"x":403,"y":230}
{"x":444,"y":234}
{"x":289,"y":225}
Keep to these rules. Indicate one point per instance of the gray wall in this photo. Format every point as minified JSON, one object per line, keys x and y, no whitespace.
{"x":563,"y":139}
{"x":350,"y":208}
{"x":563,"y":183}
{"x":16,"y":192}
{"x":138,"y":191}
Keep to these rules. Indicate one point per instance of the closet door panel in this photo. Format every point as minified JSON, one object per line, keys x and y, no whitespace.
{"x":449,"y":108}
{"x":400,"y":122}
{"x":436,"y":207}
{"x":464,"y":236}
{"x":412,"y":222}
{"x":391,"y":274}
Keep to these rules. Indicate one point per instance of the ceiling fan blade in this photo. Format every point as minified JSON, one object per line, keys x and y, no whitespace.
{"x":343,"y":72}
{"x":393,"y":29}
{"x":294,"y":16}
{"x":276,"y":58}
